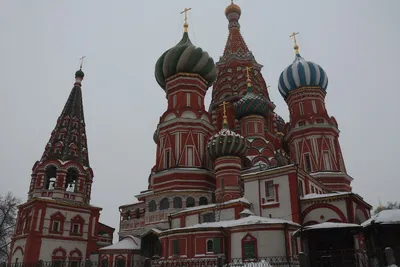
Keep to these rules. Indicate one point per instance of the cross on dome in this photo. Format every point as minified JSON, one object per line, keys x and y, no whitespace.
{"x":185,"y":24}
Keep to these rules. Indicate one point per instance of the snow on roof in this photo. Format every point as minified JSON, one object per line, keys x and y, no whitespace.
{"x":250,"y":220}
{"x":384,"y":217}
{"x":315,"y":196}
{"x":326,"y":225}
{"x":129,"y":242}
{"x":246,"y":211}
{"x":244,"y":200}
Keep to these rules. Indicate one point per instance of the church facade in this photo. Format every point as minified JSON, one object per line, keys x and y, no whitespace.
{"x":236,"y":180}
{"x":233,"y":181}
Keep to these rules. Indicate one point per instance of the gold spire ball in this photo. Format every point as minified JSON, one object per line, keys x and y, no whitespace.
{"x":233,"y":8}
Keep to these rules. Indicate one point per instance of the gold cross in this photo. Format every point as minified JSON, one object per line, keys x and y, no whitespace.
{"x":186,"y":25}
{"x":224,"y":112}
{"x":81,"y":61}
{"x":294,"y":37}
{"x":296,"y":46}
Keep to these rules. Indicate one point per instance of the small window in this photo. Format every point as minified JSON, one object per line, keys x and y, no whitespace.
{"x":177,"y":203}
{"x":269,"y":189}
{"x":189,"y":156}
{"x":188,"y":99}
{"x":301,"y":108}
{"x":312,"y":189}
{"x":210,"y":246}
{"x":120,"y":262}
{"x":314,"y":106}
{"x":104,"y":263}
{"x":167,"y":158}
{"x":164,"y":204}
{"x":57,"y":263}
{"x":208,"y":217}
{"x":327,"y":161}
{"x":190,"y":202}
{"x":307,"y":163}
{"x":56,"y":226}
{"x":75,"y":229}
{"x":301,"y":192}
{"x":249,"y":250}
{"x":175,"y":246}
{"x":320,"y":121}
{"x":73,"y":264}
{"x":137,"y":213}
{"x":152,"y":206}
{"x":302,"y":123}
{"x":174,"y":101}
{"x":203,"y":201}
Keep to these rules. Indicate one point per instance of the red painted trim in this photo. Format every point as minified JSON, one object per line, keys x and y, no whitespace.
{"x":294,"y":199}
{"x":288,"y":242}
{"x":324,"y":205}
{"x":350,"y":210}
{"x":59,"y":217}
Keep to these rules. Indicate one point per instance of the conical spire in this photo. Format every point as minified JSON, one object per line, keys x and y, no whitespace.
{"x":235,"y":44}
{"x":68,"y":139}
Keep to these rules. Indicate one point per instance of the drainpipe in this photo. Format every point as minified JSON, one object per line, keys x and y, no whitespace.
{"x":286,"y":243}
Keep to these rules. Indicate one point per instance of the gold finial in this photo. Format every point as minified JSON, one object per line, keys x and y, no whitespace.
{"x":225,"y":118}
{"x":248,"y":75}
{"x":185,"y":24}
{"x":81,"y":62}
{"x":296,"y":46}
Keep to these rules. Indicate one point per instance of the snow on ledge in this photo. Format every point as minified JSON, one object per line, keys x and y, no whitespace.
{"x":327,"y":225}
{"x":129,"y":242}
{"x":315,"y":196}
{"x":384,"y":217}
{"x":243,"y":200}
{"x":250,"y":220}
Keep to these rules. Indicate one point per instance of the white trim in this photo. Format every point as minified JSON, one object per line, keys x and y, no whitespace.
{"x":188,"y":99}
{"x":314,"y":106}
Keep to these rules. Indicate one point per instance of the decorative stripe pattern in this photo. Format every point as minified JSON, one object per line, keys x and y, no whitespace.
{"x":226,"y":143}
{"x":185,"y":57}
{"x":302,"y":73}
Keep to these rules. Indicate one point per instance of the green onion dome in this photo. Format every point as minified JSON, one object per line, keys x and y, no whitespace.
{"x":186,"y":58}
{"x":79,"y":74}
{"x":251,"y":104}
{"x":226,"y":143}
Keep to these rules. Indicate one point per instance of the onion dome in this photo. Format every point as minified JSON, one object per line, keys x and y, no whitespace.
{"x":186,"y":58}
{"x":233,"y":8}
{"x":226,"y":143}
{"x":251,"y":104}
{"x":156,"y":135}
{"x":79,"y":74}
{"x":301,"y":73}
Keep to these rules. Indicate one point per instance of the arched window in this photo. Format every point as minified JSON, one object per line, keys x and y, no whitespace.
{"x":210,"y":246}
{"x":190,"y":202}
{"x":203,"y":201}
{"x":137,"y":213}
{"x":152,"y":206}
{"x":177,"y":202}
{"x":71,"y":181}
{"x":164,"y":204}
{"x":128,"y":214}
{"x":51,"y":177}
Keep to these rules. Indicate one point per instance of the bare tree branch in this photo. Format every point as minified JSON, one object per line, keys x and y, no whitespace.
{"x":8,"y":215}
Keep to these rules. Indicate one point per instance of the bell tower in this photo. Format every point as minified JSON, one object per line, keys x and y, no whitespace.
{"x":57,"y":222}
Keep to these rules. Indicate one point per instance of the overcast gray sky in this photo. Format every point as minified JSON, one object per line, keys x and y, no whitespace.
{"x":356,"y":42}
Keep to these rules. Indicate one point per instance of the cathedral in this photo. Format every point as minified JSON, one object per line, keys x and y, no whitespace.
{"x":233,"y":181}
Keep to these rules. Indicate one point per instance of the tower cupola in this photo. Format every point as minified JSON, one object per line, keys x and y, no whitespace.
{"x":301,"y":73}
{"x":185,"y":58}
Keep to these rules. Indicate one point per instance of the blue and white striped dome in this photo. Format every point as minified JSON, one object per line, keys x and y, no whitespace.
{"x":300,"y":74}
